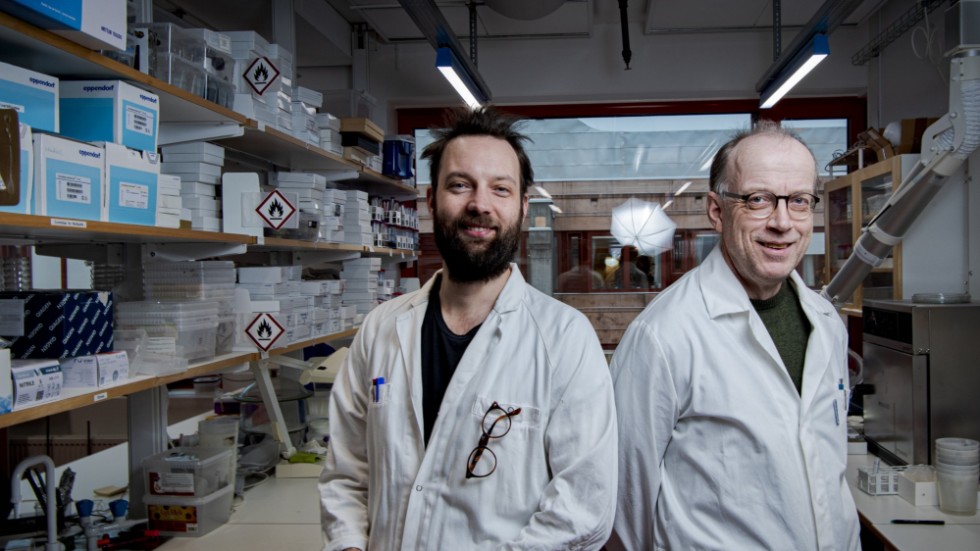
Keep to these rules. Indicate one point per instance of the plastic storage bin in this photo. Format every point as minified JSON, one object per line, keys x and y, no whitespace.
{"x":189,"y":516}
{"x":181,"y":73}
{"x":195,"y":472}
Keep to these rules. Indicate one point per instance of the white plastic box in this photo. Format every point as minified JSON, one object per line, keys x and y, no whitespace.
{"x":110,"y":111}
{"x":69,"y":178}
{"x":920,"y":494}
{"x":195,"y":472}
{"x":33,"y":95}
{"x":131,"y":182}
{"x":95,"y":24}
{"x":26,"y":173}
{"x":189,"y":516}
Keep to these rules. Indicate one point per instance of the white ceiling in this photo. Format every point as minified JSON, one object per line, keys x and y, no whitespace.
{"x":575,"y":18}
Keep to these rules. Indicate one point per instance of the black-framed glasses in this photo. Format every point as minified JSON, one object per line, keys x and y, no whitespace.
{"x":495,"y":424}
{"x":761,"y":203}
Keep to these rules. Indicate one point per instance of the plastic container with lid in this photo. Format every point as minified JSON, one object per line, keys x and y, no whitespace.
{"x":193,"y":472}
{"x":188,"y":515}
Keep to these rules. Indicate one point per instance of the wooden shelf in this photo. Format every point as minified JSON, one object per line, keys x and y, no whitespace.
{"x":76,"y":398}
{"x":48,"y":230}
{"x":25,"y":45}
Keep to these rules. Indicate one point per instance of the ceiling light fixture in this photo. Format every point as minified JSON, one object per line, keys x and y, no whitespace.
{"x":793,"y":71}
{"x":684,"y":187}
{"x":455,"y":72}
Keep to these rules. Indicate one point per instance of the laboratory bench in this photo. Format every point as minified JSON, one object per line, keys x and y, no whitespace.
{"x":280,"y":513}
{"x":960,"y":533}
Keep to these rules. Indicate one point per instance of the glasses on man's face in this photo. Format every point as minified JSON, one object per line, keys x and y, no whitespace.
{"x":761,"y":203}
{"x":495,"y":424}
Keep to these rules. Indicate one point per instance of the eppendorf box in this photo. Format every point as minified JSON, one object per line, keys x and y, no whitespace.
{"x":69,"y":178}
{"x":131,"y":185}
{"x":33,"y":95}
{"x":110,"y":111}
{"x":57,"y":324}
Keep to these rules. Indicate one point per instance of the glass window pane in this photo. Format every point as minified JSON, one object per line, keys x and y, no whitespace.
{"x":826,"y":137}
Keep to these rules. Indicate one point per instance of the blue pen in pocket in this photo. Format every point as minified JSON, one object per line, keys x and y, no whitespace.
{"x":377,"y":383}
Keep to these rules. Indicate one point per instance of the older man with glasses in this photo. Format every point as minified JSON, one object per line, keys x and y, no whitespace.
{"x":731,"y":387}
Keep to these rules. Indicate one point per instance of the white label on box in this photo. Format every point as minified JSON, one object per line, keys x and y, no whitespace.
{"x":173,"y":483}
{"x":134,"y":196}
{"x":139,"y":120}
{"x":12,"y":317}
{"x":14,"y":106}
{"x":77,"y":189}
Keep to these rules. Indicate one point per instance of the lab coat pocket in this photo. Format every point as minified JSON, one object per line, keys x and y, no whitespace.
{"x":380,"y":392}
{"x":522,"y":424}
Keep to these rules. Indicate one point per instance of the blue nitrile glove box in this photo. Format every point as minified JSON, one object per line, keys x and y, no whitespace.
{"x":110,"y":111}
{"x":33,"y":95}
{"x":58,"y":324}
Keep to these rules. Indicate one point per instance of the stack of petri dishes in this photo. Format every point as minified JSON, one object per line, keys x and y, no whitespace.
{"x":957,"y":474}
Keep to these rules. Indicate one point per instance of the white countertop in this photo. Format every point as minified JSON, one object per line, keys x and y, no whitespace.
{"x":284,"y":513}
{"x":960,"y":533}
{"x":280,"y":513}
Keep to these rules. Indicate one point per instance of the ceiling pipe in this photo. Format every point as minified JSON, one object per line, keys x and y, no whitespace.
{"x":827,"y":18}
{"x":777,"y":29}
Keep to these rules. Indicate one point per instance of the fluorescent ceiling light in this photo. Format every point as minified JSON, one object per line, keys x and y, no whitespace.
{"x":686,"y":185}
{"x":707,"y":163}
{"x":456,"y":74}
{"x":668,"y":203}
{"x":555,"y":208}
{"x":802,"y":63}
{"x":541,"y":191}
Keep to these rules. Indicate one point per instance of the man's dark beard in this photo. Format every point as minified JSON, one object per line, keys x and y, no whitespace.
{"x":466,"y":266}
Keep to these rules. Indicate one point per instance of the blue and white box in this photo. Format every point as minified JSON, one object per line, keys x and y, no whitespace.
{"x":6,"y":382}
{"x":131,"y":182}
{"x":69,"y":178}
{"x":33,"y":95}
{"x":95,"y":24}
{"x":26,"y":173}
{"x":110,"y":111}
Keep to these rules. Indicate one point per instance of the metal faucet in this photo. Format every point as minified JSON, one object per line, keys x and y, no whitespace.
{"x":51,"y":505}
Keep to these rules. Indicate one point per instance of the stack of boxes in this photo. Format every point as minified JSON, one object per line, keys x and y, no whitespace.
{"x":309,"y":189}
{"x":169,"y":201}
{"x":362,"y":139}
{"x":198,"y":165}
{"x":196,"y":60}
{"x":357,"y":218}
{"x":327,"y":302}
{"x":304,"y":111}
{"x":263,"y":79}
{"x":334,"y":207}
{"x":361,"y":277}
{"x":277,"y":291}
{"x":328,"y":130}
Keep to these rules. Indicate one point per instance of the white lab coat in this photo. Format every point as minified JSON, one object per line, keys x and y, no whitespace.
{"x":718,"y":450}
{"x":555,"y":482}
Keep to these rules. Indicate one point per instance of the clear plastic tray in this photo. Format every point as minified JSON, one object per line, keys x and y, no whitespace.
{"x":189,"y":516}
{"x":187,"y":471}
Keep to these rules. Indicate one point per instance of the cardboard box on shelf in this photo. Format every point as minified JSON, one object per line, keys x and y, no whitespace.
{"x":35,"y":381}
{"x":110,"y":111}
{"x":95,"y":24}
{"x":131,"y":182}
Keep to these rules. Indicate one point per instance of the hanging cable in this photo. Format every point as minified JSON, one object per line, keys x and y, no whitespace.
{"x":624,"y":23}
{"x":472,"y":6}
{"x":777,"y":29}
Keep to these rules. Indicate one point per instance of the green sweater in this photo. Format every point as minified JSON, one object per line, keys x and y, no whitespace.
{"x":788,"y":327}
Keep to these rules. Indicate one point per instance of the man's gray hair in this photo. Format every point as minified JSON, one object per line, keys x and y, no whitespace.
{"x":723,"y":168}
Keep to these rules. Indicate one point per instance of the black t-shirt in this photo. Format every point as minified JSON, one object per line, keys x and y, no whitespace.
{"x":441,"y":351}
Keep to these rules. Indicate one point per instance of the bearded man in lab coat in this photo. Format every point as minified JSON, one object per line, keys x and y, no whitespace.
{"x":731,"y":386}
{"x":477,"y":412}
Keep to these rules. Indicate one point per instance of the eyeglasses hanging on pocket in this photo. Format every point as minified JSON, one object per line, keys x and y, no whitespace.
{"x":496,"y":423}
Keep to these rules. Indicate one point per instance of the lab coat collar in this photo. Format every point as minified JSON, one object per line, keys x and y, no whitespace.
{"x":723,"y":293}
{"x":510,"y":297}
